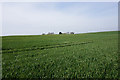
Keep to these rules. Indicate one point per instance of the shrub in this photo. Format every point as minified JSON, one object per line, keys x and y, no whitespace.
{"x":51,"y":33}
{"x":60,"y":32}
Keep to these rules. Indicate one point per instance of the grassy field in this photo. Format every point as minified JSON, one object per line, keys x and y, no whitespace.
{"x":89,"y":55}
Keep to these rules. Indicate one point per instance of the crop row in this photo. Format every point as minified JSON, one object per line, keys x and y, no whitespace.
{"x":45,"y":47}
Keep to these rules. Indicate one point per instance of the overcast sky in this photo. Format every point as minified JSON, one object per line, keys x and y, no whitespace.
{"x":22,"y":18}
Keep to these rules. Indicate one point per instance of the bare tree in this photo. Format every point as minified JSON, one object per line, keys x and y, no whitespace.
{"x":43,"y":33}
{"x":67,"y":32}
{"x":71,"y":32}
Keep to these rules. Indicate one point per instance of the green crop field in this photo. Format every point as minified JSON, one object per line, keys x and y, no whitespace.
{"x":88,"y":55}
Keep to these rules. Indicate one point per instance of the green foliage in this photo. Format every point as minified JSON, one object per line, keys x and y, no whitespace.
{"x":90,"y":55}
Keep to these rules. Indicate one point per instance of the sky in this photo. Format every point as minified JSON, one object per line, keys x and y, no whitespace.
{"x":34,"y":18}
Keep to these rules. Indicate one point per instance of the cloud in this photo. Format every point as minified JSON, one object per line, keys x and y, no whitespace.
{"x":36,"y":18}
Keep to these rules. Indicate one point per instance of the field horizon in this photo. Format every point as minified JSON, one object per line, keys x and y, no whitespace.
{"x":86,"y":55}
{"x":53,"y":34}
{"x":59,"y":40}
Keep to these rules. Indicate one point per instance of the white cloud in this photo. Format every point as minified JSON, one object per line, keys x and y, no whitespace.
{"x":26,"y":19}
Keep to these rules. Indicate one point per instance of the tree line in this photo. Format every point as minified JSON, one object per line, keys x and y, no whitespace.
{"x":50,"y":33}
